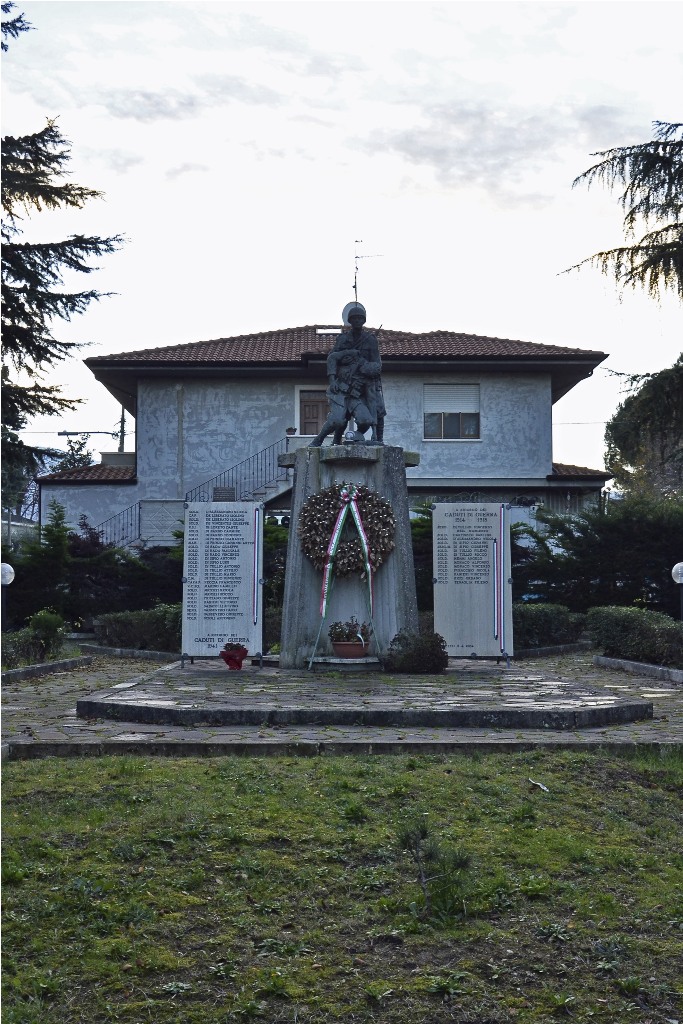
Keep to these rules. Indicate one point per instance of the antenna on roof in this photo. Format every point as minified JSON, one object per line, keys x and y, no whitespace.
{"x":356,"y":257}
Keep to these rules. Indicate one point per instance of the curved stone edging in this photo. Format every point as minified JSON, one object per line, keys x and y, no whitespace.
{"x":46,"y":668}
{"x":638,"y":668}
{"x":130,"y":652}
{"x":22,"y":751}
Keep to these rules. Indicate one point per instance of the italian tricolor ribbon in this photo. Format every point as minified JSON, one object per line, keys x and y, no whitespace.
{"x":347,"y":493}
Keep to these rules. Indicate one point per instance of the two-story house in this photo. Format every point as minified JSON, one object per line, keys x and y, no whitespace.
{"x":212,"y":416}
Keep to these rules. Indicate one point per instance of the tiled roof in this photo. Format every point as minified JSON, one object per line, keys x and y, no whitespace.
{"x":92,"y":475}
{"x":572,"y":471}
{"x":291,"y":345}
{"x":126,"y":474}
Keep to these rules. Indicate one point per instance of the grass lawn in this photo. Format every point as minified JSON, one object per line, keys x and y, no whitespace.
{"x":393,"y":889}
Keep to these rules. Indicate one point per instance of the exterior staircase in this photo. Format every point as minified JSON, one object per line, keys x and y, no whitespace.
{"x":258,"y":478}
{"x":152,"y":521}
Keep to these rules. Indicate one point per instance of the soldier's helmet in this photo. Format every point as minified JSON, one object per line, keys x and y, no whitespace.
{"x":353,"y":310}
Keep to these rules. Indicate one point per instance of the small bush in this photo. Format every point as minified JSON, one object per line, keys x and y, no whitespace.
{"x":157,"y":629}
{"x":637,"y":634}
{"x":40,"y":641}
{"x":19,"y":648}
{"x":48,"y":629}
{"x":442,"y":872}
{"x":545,"y":625}
{"x":418,"y":653}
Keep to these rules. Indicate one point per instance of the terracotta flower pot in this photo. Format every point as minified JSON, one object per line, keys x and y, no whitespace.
{"x":234,"y":659}
{"x":349,"y":649}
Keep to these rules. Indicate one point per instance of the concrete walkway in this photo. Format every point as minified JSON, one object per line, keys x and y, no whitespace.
{"x":39,"y":715}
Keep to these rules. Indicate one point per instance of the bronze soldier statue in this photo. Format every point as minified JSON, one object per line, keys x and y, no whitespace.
{"x":354,"y":390}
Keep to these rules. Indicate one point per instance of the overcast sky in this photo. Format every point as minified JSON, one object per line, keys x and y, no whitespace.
{"x":244,"y":147}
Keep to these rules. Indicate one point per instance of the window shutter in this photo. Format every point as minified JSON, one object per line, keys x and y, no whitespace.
{"x":451,"y":397}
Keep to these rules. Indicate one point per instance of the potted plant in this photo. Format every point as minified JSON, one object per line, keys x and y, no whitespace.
{"x":350,"y":639}
{"x":233,"y":654}
{"x":290,"y":431}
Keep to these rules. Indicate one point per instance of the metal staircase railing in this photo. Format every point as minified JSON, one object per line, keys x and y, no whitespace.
{"x":123,"y":528}
{"x":256,"y":472}
{"x":246,"y":477}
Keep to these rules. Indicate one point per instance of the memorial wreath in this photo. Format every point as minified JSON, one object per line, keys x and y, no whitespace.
{"x":321,"y":529}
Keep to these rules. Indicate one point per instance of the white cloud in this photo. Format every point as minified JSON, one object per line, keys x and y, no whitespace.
{"x":446,"y":135}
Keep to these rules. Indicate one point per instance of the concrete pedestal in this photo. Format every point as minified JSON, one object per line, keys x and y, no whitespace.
{"x":382,"y":469}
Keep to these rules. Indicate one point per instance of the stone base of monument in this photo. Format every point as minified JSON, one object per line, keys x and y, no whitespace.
{"x":382,"y":470}
{"x":205,"y":694}
{"x":346,"y":665}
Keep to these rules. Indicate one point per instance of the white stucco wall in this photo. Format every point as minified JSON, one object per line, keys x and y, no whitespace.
{"x":515,"y":427}
{"x":223,"y":423}
{"x":97,"y":501}
{"x":190,"y":431}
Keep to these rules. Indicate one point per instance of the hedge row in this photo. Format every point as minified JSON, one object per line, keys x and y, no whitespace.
{"x":545,"y":625}
{"x":157,"y":629}
{"x":637,"y":635}
{"x":630,"y":633}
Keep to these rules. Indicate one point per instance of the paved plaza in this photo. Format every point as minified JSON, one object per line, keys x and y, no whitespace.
{"x":339,"y":710}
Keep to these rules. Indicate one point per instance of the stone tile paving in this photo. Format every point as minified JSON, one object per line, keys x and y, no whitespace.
{"x":474,"y":694}
{"x":39,"y":715}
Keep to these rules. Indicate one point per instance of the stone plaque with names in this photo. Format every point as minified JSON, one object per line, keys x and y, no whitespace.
{"x":472,"y":584}
{"x":222,"y":590}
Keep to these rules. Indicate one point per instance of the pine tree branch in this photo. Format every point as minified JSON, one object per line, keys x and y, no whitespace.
{"x":12,"y":27}
{"x":32,"y":167}
{"x":655,"y":262}
{"x":651,"y":175}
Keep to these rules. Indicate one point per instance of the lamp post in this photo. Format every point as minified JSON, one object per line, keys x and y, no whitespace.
{"x":6,"y":577}
{"x":677,"y":575}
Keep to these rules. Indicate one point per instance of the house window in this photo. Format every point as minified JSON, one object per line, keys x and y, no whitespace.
{"x":312,"y":411}
{"x":451,"y":412}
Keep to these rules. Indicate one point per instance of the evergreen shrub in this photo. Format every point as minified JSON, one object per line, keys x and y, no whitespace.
{"x":156,"y":629}
{"x":545,"y":625}
{"x":637,"y":635}
{"x":416,"y":653}
{"x":41,"y":640}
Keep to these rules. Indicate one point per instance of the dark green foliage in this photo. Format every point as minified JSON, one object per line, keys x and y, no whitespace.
{"x":275,"y":540}
{"x":637,"y":635}
{"x":272,"y":626}
{"x":651,"y":175}
{"x":79,"y":576}
{"x":416,"y":653}
{"x":157,"y":629}
{"x":48,"y":628}
{"x":421,"y":535}
{"x":160,"y":581}
{"x":644,"y":438}
{"x":545,"y":625}
{"x":41,"y":640}
{"x":441,"y":870}
{"x":621,"y":554}
{"x":34,"y":169}
{"x":12,"y":27}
